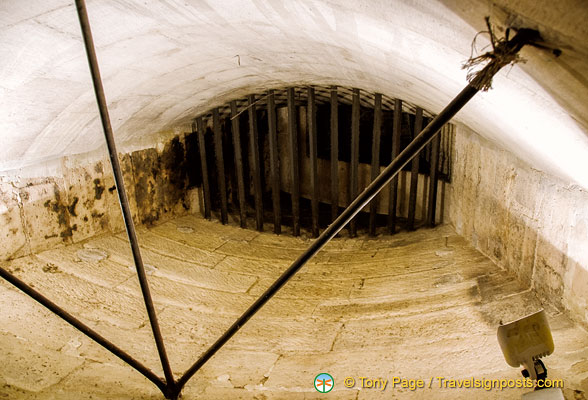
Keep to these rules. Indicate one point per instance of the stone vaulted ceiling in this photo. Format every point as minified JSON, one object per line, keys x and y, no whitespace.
{"x":164,"y":62}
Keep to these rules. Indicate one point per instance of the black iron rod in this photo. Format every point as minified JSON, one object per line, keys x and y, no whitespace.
{"x":334,"y":154}
{"x":238,"y":163}
{"x":375,"y":167}
{"x":312,"y":143}
{"x":86,"y":330}
{"x":220,"y":164}
{"x":414,"y":173}
{"x":255,"y":163}
{"x":364,"y":198}
{"x":122,"y":194}
{"x":200,"y":131}
{"x":433,"y":183}
{"x":354,"y":163}
{"x":274,"y":161}
{"x":396,"y":132}
{"x":294,"y":165}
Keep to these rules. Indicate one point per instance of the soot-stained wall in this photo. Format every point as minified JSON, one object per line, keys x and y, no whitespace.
{"x":82,"y":201}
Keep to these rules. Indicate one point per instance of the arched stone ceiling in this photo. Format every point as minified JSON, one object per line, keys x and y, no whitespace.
{"x":164,"y":62}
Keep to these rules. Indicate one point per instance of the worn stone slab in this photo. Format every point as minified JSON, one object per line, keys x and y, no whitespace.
{"x":393,"y":305}
{"x":310,"y":286}
{"x":108,"y":380}
{"x":31,"y":367}
{"x":121,"y":251}
{"x":86,"y":300}
{"x":175,"y":248}
{"x":103,"y":272}
{"x":192,"y":273}
{"x":22,"y":314}
{"x":213,"y":229}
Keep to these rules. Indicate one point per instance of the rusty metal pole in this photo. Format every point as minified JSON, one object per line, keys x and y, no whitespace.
{"x":122,"y":194}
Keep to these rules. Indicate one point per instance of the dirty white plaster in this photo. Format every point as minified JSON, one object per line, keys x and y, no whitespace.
{"x":525,"y":220}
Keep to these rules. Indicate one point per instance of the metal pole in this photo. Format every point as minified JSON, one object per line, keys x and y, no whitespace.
{"x":86,"y":330}
{"x":377,"y":184}
{"x":122,"y":195}
{"x":503,"y":56}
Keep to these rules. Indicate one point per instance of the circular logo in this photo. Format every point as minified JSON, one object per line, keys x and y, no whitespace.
{"x":324,"y":383}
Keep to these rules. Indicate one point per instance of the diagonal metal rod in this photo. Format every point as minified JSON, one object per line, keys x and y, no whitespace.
{"x":86,"y":330}
{"x":419,"y":142}
{"x":122,"y":194}
{"x":363,"y":199}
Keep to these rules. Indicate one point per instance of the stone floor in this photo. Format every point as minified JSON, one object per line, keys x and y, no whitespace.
{"x":416,"y":305}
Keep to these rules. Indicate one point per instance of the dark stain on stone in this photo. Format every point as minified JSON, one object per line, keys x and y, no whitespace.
{"x":51,"y":269}
{"x":173,"y":164}
{"x":50,"y":236}
{"x":101,"y":218}
{"x":144,"y":163}
{"x":160,"y":180}
{"x":127,"y":165}
{"x":104,"y":222}
{"x":96,"y":214}
{"x":98,"y":189}
{"x":58,"y":208}
{"x":68,"y":232}
{"x":86,"y":219}
{"x":62,"y":211}
{"x":98,"y":168}
{"x":112,"y":188}
{"x":72,"y":207}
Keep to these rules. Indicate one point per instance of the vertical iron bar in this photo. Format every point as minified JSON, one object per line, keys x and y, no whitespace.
{"x":354,"y":165}
{"x":255,"y":165}
{"x":122,"y":194}
{"x":293,"y":136}
{"x":433,"y":182}
{"x":395,"y":150}
{"x":238,"y":163}
{"x":414,"y":172}
{"x":220,"y":164}
{"x":334,"y":154}
{"x":204,"y":166}
{"x":274,"y":167}
{"x":312,"y":138}
{"x":375,"y":168}
{"x":347,"y":215}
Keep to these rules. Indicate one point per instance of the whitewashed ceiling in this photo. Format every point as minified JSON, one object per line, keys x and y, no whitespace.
{"x":164,"y":62}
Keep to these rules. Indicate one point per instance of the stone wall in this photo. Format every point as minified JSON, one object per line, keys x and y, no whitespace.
{"x":523,"y":219}
{"x":79,"y":199}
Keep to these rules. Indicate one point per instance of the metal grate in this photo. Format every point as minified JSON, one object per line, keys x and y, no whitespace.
{"x":333,"y":127}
